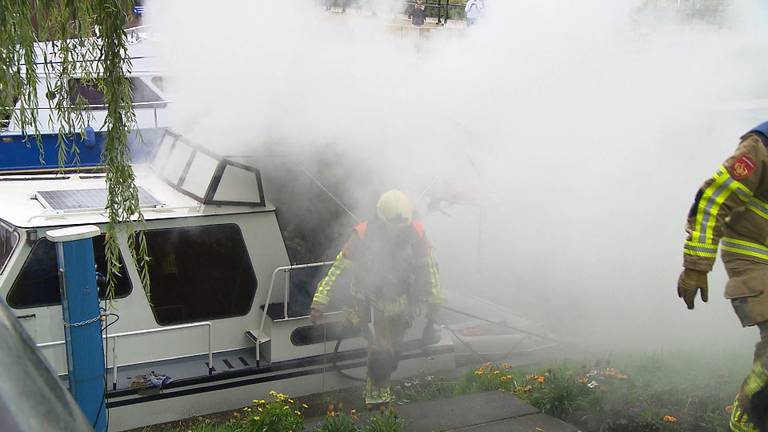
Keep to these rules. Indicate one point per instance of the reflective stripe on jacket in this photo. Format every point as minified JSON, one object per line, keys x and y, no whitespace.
{"x":732,"y":206}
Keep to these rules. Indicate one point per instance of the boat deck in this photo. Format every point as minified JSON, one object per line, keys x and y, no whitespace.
{"x":129,"y":377}
{"x":493,"y":411}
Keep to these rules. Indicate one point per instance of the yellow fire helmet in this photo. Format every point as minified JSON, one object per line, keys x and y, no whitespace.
{"x":394,"y":208}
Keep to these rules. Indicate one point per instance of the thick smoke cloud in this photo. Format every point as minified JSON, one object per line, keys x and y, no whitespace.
{"x":581,"y":128}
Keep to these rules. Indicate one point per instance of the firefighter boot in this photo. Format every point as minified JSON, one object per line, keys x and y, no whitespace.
{"x":377,"y":391}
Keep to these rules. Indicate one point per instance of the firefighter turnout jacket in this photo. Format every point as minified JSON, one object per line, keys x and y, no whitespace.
{"x":731,"y":210}
{"x":391,"y":270}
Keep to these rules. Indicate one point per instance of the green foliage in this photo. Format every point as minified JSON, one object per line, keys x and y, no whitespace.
{"x":281,"y":414}
{"x":425,"y":388}
{"x":388,"y":421}
{"x":206,"y":425}
{"x":86,"y":40}
{"x":339,"y":422}
{"x":563,"y":393}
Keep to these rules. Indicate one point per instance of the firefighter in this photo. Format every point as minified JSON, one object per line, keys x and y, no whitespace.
{"x":392,"y":279}
{"x":731,"y":209}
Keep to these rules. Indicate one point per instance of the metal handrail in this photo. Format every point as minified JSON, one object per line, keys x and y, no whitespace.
{"x":142,"y":105}
{"x":440,"y":7}
{"x":288,"y":270}
{"x":134,"y":104}
{"x":146,"y":331}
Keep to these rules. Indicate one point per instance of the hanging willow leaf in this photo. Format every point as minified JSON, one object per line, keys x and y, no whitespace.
{"x":83,"y":40}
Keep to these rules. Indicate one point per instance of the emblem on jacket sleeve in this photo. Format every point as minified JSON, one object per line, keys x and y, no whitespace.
{"x":743,"y":167}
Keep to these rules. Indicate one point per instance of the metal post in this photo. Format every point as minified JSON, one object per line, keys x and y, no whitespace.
{"x":82,"y":323}
{"x":287,"y":293}
{"x":114,"y":363}
{"x":438,"y":11}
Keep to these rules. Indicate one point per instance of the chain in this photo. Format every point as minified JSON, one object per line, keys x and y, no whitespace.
{"x":83,"y":323}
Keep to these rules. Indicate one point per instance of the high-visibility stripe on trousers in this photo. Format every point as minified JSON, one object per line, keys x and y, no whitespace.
{"x":739,"y":420}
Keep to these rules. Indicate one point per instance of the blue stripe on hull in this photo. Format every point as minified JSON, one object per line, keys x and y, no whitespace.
{"x":18,"y":154}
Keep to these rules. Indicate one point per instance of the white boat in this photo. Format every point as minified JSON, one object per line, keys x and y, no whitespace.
{"x":218,"y":257}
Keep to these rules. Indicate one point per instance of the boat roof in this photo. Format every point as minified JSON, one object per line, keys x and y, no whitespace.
{"x":183,"y":180}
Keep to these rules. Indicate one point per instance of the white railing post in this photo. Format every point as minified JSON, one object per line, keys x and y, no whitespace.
{"x":286,"y":269}
{"x":114,"y":364}
{"x":287,"y":291}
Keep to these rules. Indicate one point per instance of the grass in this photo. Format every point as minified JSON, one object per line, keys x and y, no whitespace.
{"x":656,"y":392}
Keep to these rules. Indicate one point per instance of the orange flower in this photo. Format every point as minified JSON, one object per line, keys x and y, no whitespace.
{"x":540,"y":379}
{"x":669,"y":419}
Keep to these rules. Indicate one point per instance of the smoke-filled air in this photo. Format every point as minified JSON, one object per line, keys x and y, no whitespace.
{"x":552,"y":151}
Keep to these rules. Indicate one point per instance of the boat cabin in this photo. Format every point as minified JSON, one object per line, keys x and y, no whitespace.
{"x":225,"y":318}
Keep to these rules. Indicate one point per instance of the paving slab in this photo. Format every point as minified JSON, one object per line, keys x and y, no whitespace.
{"x":493,"y":411}
{"x":528,"y":423}
{"x":462,"y":411}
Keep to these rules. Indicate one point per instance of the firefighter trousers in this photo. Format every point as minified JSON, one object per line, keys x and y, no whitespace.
{"x":383,"y":354}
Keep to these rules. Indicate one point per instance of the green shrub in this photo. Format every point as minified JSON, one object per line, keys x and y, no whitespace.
{"x":425,"y":388}
{"x":339,"y":422}
{"x":281,"y":414}
{"x":388,"y":421}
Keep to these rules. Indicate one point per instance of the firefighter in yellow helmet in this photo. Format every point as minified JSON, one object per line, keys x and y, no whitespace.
{"x":731,"y":210}
{"x":393,"y":278}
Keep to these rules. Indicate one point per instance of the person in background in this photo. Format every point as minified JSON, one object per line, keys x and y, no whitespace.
{"x":419,"y":13}
{"x":392,"y":279}
{"x":473,"y":9}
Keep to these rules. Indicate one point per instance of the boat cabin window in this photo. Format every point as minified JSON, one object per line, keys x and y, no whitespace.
{"x":88,"y":92}
{"x":6,"y":111}
{"x":38,"y":282}
{"x":142,"y":93}
{"x":199,"y":273}
{"x":93,"y":96}
{"x":324,"y":332}
{"x":9,"y":238}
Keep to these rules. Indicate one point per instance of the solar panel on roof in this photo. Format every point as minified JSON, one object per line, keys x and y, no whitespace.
{"x":86,"y":199}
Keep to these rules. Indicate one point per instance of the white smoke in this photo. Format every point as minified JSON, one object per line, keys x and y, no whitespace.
{"x":584,"y":128}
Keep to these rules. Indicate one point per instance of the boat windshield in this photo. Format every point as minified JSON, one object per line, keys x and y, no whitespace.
{"x":9,"y":238}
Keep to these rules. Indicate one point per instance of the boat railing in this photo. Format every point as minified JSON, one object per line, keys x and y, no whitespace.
{"x":287,"y":270}
{"x":116,"y":336}
{"x":5,"y":123}
{"x":442,"y":10}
